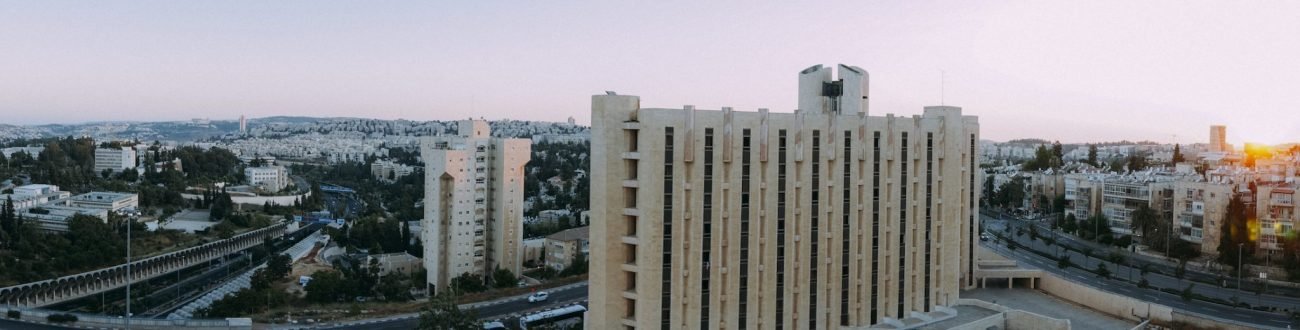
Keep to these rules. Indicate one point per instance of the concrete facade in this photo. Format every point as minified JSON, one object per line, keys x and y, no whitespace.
{"x":822,"y":218}
{"x":1198,"y":211}
{"x":114,"y":159}
{"x":1276,"y":209}
{"x":269,"y":178}
{"x":1219,"y":139}
{"x":111,"y":201}
{"x":473,"y":197}
{"x":564,"y":247}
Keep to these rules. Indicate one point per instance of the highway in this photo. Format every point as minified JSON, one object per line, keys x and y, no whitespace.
{"x":1119,"y":282}
{"x":502,"y":310}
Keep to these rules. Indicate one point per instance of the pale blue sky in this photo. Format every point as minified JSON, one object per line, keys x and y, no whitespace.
{"x":1070,"y":70}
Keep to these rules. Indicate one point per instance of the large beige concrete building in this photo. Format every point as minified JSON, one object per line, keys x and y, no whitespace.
{"x":821,"y":218}
{"x":473,"y":203}
{"x":1219,"y":139}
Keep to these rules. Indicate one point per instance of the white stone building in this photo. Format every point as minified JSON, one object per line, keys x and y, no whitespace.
{"x":819,"y":219}
{"x":269,"y":178}
{"x":114,"y":159}
{"x":473,"y":218}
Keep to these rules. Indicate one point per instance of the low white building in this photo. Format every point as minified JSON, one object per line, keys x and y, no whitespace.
{"x":111,"y":201}
{"x":269,"y":178}
{"x":55,"y":218}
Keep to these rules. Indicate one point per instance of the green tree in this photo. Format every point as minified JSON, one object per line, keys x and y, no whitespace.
{"x":1187,"y":293}
{"x":1092,"y":155}
{"x":1178,"y":155}
{"x":504,"y":278}
{"x":1102,"y":271}
{"x":1144,"y":219}
{"x":442,"y":314}
{"x":1234,"y":234}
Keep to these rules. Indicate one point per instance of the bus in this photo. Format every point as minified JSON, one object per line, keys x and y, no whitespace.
{"x":535,"y":320}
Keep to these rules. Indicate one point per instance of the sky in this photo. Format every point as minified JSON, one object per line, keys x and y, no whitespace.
{"x":1074,"y":71}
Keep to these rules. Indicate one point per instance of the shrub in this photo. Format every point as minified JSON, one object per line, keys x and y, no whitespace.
{"x":13,"y":314}
{"x":61,"y":318}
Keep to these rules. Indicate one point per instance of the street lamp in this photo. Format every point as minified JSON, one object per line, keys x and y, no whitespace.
{"x":1239,"y":247}
{"x":128,"y":271}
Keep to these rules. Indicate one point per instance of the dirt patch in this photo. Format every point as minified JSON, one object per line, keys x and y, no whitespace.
{"x":305,"y":267}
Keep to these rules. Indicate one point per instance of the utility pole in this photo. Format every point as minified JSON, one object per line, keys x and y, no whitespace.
{"x":1239,"y":247}
{"x":128,"y":272}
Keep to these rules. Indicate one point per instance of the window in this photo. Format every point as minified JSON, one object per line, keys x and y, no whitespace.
{"x":744,"y":228}
{"x":707,"y":219}
{"x":780,"y":230}
{"x":875,"y":226}
{"x":845,"y":233}
{"x":902,"y":229}
{"x":929,"y":181}
{"x":667,"y":271}
{"x":812,"y":252}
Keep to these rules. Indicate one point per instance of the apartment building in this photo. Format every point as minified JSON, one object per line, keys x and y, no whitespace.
{"x":111,"y":201}
{"x":822,"y":218}
{"x":473,"y":197}
{"x":1276,"y":209}
{"x":1083,"y":194}
{"x":564,"y":247}
{"x":1199,"y":208}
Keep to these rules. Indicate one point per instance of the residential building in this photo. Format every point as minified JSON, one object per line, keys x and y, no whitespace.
{"x":111,"y":201}
{"x":389,"y":171}
{"x":114,"y":159}
{"x":1219,"y":139}
{"x":398,"y":262}
{"x":1122,"y":195}
{"x":822,"y":218}
{"x":1198,"y":212}
{"x":1083,"y":195}
{"x":473,"y":197}
{"x":1276,"y":210}
{"x":564,"y":247}
{"x":269,"y":178}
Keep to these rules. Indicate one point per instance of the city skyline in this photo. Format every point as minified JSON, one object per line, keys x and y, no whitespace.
{"x":1104,"y":70}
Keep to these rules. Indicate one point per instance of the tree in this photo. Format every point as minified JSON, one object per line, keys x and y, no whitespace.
{"x":1102,"y":271}
{"x":468,"y":283}
{"x":1178,"y":155}
{"x":1187,"y":293}
{"x":1234,"y":234}
{"x":1063,"y":262}
{"x":1092,"y":155}
{"x":327,"y":286}
{"x":503,"y":278}
{"x":279,"y":266}
{"x":1144,"y":219}
{"x":1136,"y":162}
{"x":442,"y":314}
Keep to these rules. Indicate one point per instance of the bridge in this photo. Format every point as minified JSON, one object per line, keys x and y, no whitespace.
{"x":71,"y":287}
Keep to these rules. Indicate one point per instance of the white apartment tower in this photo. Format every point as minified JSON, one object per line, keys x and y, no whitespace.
{"x":1219,"y":139}
{"x":473,"y":197}
{"x":819,"y":219}
{"x":114,"y":159}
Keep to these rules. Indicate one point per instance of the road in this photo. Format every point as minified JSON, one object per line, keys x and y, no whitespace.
{"x":1123,"y":278}
{"x":511,"y":308}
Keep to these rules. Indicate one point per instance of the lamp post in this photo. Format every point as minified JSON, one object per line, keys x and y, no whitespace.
{"x":1239,"y":247}
{"x":128,"y":272}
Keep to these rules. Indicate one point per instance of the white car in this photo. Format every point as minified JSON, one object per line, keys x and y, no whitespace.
{"x":538,"y":296}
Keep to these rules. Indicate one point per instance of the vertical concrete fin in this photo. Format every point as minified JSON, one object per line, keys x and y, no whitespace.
{"x":762,"y":136}
{"x":688,"y":147}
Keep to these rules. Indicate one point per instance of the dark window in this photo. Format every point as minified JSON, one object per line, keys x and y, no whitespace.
{"x":845,"y":233}
{"x":780,"y":230}
{"x":902,"y":230}
{"x":929,"y":181}
{"x":970,"y":250}
{"x":744,"y":228}
{"x":707,"y":247}
{"x":875,"y":226}
{"x":666,"y":296}
{"x":816,"y":212}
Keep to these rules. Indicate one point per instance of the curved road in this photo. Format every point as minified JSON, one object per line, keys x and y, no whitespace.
{"x":1118,"y":282}
{"x":497,"y":310}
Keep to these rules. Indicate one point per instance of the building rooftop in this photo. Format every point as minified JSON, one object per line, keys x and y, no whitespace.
{"x":571,"y":234}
